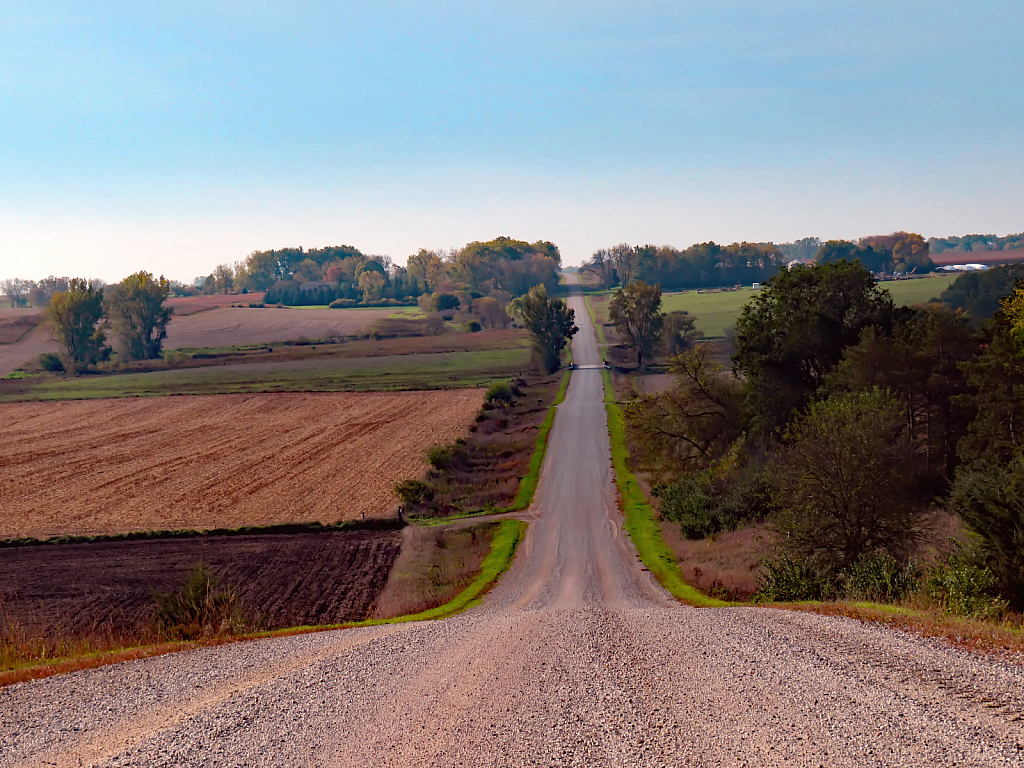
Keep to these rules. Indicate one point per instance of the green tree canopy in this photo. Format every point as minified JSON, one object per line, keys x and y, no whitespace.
{"x":139,"y":315}
{"x":793,"y":334}
{"x":551,"y":324}
{"x":921,"y":364}
{"x":846,"y":481}
{"x":76,"y":314}
{"x":636,"y":312}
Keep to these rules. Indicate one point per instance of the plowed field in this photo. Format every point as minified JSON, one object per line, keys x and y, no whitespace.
{"x":282,"y":580}
{"x":218,"y":461}
{"x":231,"y":326}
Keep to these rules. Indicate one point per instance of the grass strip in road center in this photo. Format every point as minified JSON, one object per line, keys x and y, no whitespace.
{"x":640,"y":522}
{"x":503,"y":548}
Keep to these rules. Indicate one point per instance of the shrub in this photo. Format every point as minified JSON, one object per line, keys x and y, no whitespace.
{"x":174,"y":357}
{"x":414,"y":492}
{"x":880,"y":578}
{"x":444,"y":302}
{"x":199,"y":609}
{"x":473,"y":327}
{"x":965,"y":589}
{"x":50,"y":362}
{"x":788,"y":580}
{"x":848,"y":482}
{"x":500,"y":393}
{"x":704,"y":504}
{"x":689,"y":503}
{"x":442,"y":457}
{"x":343,"y":303}
{"x":990,"y":500}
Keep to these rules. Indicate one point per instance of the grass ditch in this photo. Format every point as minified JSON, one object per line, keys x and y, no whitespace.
{"x":495,"y":469}
{"x":598,"y":327}
{"x":528,"y":484}
{"x":502,"y":550}
{"x":640,"y":522}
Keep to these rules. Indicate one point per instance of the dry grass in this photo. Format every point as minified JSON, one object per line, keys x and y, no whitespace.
{"x":435,"y":565}
{"x":109,"y":466}
{"x":727,"y":566}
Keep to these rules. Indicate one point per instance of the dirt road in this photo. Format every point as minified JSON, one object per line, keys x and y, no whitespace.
{"x":575,"y":659}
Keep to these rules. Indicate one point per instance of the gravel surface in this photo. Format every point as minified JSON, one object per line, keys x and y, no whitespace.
{"x":576,"y":658}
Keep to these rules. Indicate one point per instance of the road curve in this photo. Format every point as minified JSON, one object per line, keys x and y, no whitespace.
{"x":575,"y":659}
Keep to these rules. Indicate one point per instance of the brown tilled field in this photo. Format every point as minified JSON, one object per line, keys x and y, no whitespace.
{"x":216,"y":461}
{"x":15,"y":323}
{"x":282,"y":580}
{"x":188,"y":305}
{"x":232,"y":326}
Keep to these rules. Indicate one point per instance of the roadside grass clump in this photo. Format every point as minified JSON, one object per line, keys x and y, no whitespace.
{"x":202,"y":607}
{"x":786,"y":580}
{"x":879,"y":578}
{"x":962,"y":588}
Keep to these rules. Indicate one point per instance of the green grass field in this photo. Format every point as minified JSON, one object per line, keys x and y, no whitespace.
{"x":415,"y":371}
{"x":716,"y":312}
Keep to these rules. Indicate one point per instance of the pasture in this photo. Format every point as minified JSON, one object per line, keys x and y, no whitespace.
{"x":444,"y":370}
{"x":717,"y":312}
{"x":116,"y":466}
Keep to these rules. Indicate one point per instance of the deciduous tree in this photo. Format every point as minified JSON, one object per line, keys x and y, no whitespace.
{"x":847,"y":482}
{"x":139,"y":315}
{"x":551,"y":324}
{"x":75,"y":315}
{"x":636,"y":312}
{"x":695,"y":421}
{"x":793,"y":333}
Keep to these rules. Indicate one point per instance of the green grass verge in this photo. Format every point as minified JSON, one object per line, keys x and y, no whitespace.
{"x":528,"y":483}
{"x":444,"y":370}
{"x":503,"y":549}
{"x":640,"y":521}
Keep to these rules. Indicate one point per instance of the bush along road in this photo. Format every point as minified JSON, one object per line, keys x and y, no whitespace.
{"x":577,"y":657}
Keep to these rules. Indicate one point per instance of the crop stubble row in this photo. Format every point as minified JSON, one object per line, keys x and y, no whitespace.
{"x":112,"y":466}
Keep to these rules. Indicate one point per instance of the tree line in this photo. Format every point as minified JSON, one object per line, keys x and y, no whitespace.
{"x":345,"y":275}
{"x":976,"y":243}
{"x":846,"y":422}
{"x":710,"y":265}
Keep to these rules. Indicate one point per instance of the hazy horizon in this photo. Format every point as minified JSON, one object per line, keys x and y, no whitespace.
{"x":174,"y":139}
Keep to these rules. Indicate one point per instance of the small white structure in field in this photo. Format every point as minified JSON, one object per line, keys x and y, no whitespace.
{"x":756,"y":287}
{"x":964,"y":268}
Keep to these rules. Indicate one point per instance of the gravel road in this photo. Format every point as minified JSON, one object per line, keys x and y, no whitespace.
{"x":576,"y":658}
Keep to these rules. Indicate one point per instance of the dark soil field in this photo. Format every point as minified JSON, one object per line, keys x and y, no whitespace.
{"x":283,"y":579}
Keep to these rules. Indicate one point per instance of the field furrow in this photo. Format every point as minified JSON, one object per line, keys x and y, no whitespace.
{"x":110,"y":466}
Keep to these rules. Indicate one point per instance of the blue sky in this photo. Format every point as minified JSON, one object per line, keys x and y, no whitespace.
{"x":174,"y":138}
